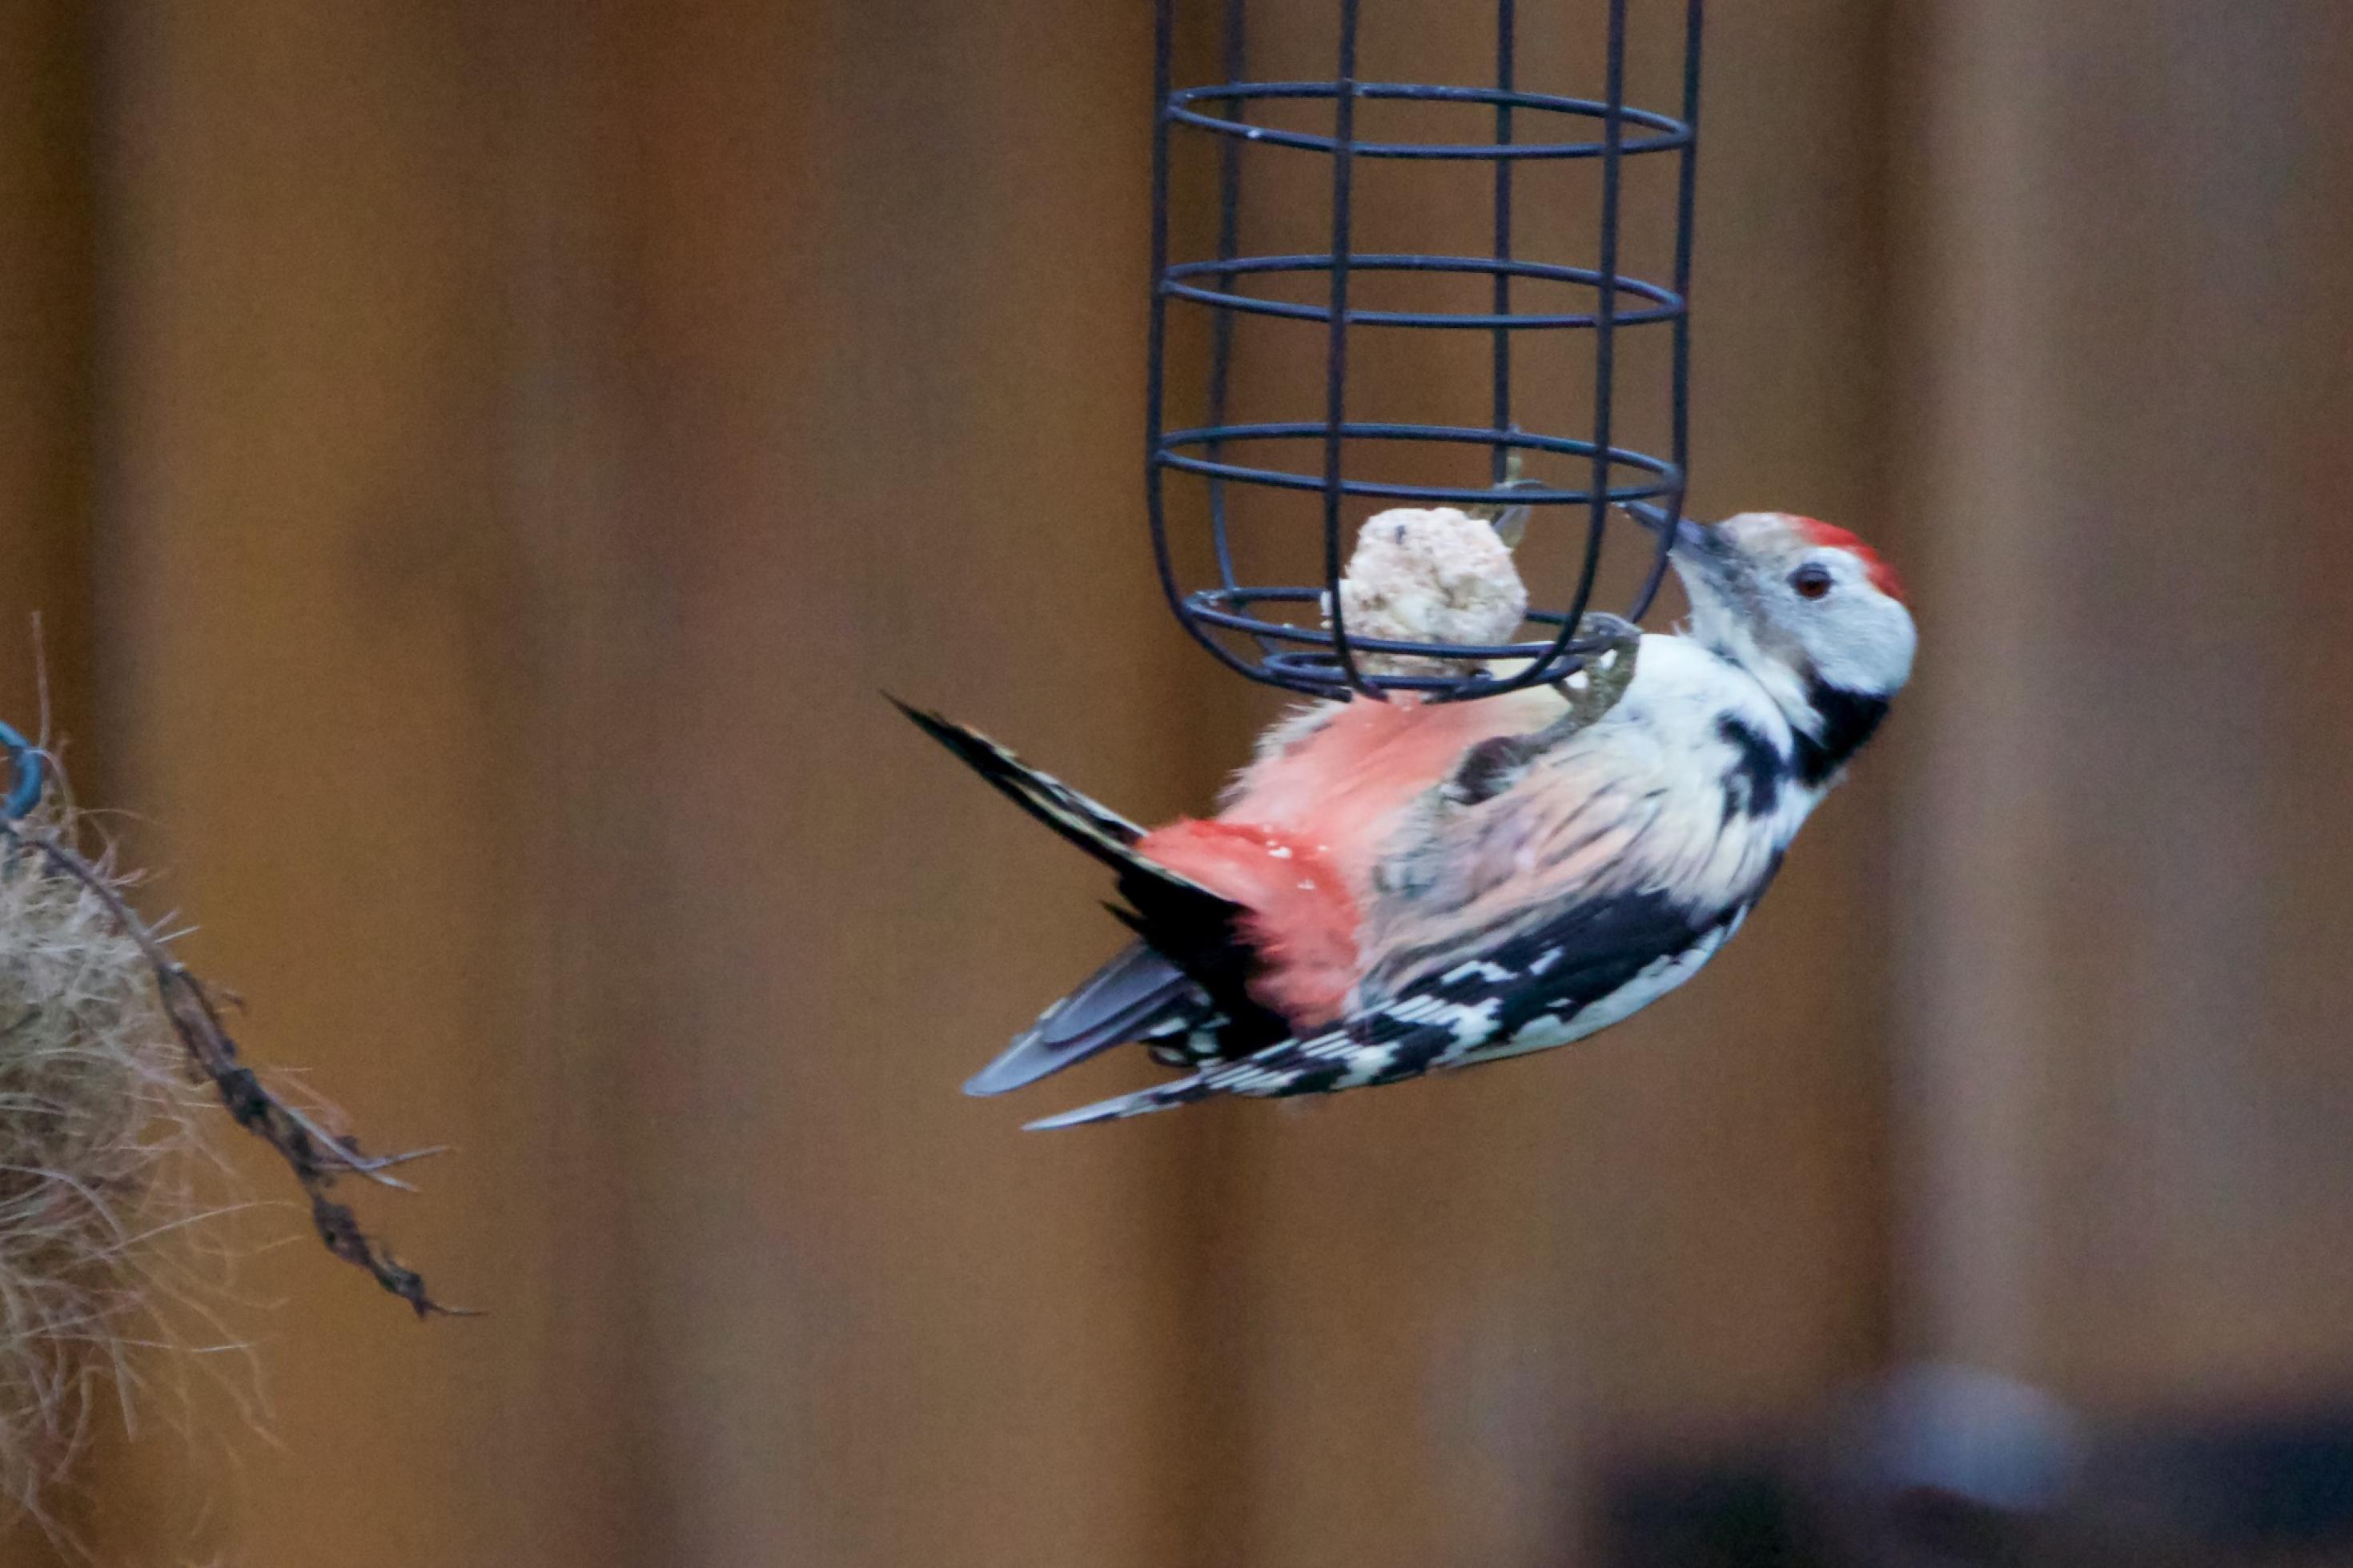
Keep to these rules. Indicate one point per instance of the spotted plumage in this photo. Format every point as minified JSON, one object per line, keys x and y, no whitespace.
{"x":1397,"y":888}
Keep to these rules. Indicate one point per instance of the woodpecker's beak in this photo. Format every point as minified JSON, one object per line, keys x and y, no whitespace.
{"x":1701,"y":547}
{"x":1690,"y":539}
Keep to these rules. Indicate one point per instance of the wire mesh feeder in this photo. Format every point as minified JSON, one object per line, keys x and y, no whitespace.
{"x":1241,"y":622}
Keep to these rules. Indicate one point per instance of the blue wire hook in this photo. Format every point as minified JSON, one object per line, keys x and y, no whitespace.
{"x":24,"y":792}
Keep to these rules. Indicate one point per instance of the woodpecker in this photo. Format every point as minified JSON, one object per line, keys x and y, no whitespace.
{"x":1391,"y":888}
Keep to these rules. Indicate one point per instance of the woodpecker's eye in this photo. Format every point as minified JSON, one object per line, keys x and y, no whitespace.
{"x":1812,"y":581}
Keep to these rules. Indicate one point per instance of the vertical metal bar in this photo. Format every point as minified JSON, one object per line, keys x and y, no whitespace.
{"x":1222,"y":328}
{"x":1679,"y":387}
{"x":1155,"y":342}
{"x":1605,"y":323}
{"x":1336,"y":380}
{"x":1506,"y":70}
{"x":1686,"y":189}
{"x":1605,"y":315}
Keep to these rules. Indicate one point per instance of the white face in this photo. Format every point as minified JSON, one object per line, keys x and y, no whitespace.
{"x":1783,"y":598}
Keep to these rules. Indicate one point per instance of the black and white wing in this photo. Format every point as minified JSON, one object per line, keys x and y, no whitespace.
{"x":1559,"y":980}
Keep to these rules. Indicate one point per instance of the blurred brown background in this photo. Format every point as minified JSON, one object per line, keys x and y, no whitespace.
{"x":478,"y":464}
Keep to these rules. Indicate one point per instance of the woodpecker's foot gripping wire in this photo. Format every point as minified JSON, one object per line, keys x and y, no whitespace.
{"x":1510,"y":521}
{"x":1492,"y":765}
{"x":1595,"y":687}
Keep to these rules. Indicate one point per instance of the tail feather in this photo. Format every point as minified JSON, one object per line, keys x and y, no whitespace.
{"x":1173,"y":913}
{"x":1138,"y":993}
{"x":1092,"y":826}
{"x":1120,"y":1108}
{"x":1192,"y":941}
{"x":1337,"y":1058}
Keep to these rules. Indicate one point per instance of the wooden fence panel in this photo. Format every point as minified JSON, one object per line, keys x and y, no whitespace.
{"x":537,"y":441}
{"x":47,"y":130}
{"x":48,"y":134}
{"x":524,"y":440}
{"x":2126,"y":1078}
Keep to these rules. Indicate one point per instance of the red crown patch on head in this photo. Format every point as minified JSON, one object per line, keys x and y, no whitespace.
{"x":1830,"y":535}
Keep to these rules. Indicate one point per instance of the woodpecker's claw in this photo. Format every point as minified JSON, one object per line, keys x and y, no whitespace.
{"x":1595,"y":687}
{"x":1509,"y":523}
{"x":1591,"y":691}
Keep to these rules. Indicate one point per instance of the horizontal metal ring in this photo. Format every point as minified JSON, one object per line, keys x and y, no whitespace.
{"x":1214,"y":607}
{"x":1665,"y":304}
{"x":1671,"y":134}
{"x":1166,"y":454}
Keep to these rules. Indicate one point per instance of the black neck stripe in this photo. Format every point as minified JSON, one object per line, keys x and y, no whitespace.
{"x":1849,"y":717}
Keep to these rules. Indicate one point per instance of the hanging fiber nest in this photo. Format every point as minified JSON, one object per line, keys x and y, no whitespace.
{"x":114,"y":1059}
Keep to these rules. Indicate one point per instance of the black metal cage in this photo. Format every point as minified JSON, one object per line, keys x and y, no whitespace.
{"x":1244,"y":623}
